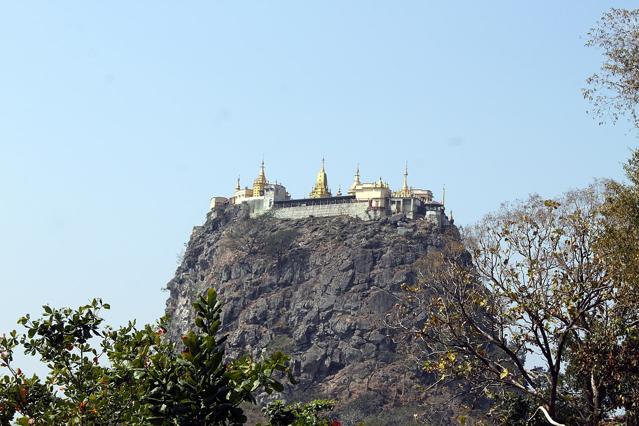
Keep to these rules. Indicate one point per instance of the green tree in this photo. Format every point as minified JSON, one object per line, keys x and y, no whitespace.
{"x":502,"y":311}
{"x":201,"y":389}
{"x":98,"y":375}
{"x":618,"y":246}
{"x":614,"y":90}
{"x":77,"y":389}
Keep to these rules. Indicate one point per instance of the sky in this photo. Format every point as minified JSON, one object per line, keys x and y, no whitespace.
{"x":119,"y":120}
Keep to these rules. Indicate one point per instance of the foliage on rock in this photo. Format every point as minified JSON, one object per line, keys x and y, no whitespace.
{"x":300,"y":414}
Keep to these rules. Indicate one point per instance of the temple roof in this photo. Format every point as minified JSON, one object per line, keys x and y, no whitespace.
{"x":320,"y":190}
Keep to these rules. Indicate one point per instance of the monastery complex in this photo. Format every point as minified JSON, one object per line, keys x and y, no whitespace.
{"x":367,"y":201}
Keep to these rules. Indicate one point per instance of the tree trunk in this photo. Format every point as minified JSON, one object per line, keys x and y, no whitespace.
{"x":552,"y":403}
{"x":596,"y":400}
{"x":632,"y":418}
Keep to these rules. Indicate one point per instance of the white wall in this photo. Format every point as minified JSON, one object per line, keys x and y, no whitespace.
{"x":359,"y":210}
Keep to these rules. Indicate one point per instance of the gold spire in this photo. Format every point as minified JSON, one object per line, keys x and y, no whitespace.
{"x":405,"y":192}
{"x":320,"y":190}
{"x":260,"y":182}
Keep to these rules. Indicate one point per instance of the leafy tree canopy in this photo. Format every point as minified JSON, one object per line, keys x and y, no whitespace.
{"x":538,"y":307}
{"x":614,"y":90}
{"x":130,"y":375}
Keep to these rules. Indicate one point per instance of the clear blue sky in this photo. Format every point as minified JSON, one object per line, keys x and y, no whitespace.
{"x":118,"y":121}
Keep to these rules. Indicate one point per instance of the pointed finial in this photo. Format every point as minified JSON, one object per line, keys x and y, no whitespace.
{"x":237,"y":187}
{"x":321,"y":189}
{"x":405,"y":185}
{"x":262,"y":167}
{"x":444,"y":195}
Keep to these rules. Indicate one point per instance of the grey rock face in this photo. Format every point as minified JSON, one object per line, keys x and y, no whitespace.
{"x":317,"y":289}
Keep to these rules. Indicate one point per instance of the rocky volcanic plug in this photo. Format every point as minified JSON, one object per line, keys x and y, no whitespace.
{"x":318,"y":289}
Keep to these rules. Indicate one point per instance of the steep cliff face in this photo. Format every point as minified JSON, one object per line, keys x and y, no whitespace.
{"x":318,"y":289}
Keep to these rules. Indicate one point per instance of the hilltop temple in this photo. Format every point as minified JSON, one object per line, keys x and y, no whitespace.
{"x":367,"y":201}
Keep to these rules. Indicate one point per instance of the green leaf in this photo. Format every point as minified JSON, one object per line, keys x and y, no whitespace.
{"x":211,"y":296}
{"x":504,"y":374}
